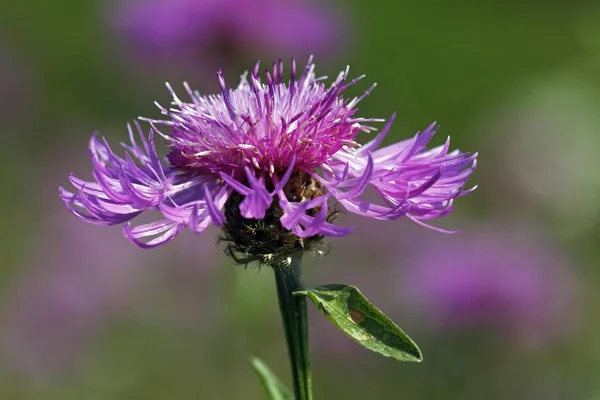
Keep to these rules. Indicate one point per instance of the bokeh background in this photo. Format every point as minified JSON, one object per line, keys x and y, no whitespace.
{"x":507,"y":309}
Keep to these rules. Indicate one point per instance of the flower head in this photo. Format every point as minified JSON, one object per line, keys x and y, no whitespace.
{"x":204,"y":33}
{"x":263,"y":161}
{"x":510,"y":280}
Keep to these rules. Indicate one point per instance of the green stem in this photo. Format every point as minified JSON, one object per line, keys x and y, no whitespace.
{"x":295,"y":322}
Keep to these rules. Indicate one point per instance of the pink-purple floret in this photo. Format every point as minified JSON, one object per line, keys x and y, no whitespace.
{"x":250,"y":140}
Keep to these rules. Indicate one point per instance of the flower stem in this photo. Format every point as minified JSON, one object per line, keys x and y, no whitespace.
{"x":295,"y":322}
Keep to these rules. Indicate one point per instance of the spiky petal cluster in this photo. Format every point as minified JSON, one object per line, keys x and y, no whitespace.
{"x":254,"y":140}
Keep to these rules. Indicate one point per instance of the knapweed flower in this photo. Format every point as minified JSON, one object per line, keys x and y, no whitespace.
{"x":205,"y":33}
{"x":68,"y":293}
{"x":510,"y":280}
{"x":263,"y":161}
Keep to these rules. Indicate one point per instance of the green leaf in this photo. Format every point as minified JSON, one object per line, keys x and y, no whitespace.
{"x":273,"y":386}
{"x":354,"y":315}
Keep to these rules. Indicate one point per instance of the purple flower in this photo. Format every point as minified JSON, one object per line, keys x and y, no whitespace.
{"x":71,"y":287}
{"x":509,"y":280}
{"x":63,"y":301}
{"x":221,"y":32}
{"x":266,"y":158}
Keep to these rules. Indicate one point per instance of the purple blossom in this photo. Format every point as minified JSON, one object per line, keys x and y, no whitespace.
{"x":60,"y":303}
{"x":220,"y":32}
{"x":71,"y":287}
{"x":510,"y":280}
{"x":290,"y":145}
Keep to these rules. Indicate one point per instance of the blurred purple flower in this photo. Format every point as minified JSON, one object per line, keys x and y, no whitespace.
{"x":288,"y":143}
{"x":507,"y":280}
{"x":217,"y":33}
{"x":72,"y":285}
{"x":76,"y":278}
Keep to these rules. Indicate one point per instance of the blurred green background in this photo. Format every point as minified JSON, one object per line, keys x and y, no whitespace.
{"x":86,"y":315}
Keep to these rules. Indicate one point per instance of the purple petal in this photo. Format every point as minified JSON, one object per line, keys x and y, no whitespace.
{"x":215,"y":214}
{"x":164,"y":231}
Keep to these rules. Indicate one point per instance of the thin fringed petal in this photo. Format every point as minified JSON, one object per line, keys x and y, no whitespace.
{"x":372,"y":210}
{"x":200,"y":212}
{"x":373,"y":144}
{"x":161,"y":232}
{"x":435,"y":228}
{"x":257,"y":202}
{"x":194,"y":215}
{"x":199,"y":220}
{"x":358,"y":185}
{"x":90,"y":187}
{"x":215,"y":214}
{"x":121,"y":189}
{"x":421,"y":188}
{"x":286,"y":177}
{"x":82,"y":207}
{"x":411,"y":180}
{"x":235,"y":185}
{"x":295,"y":218}
{"x":317,"y":225}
